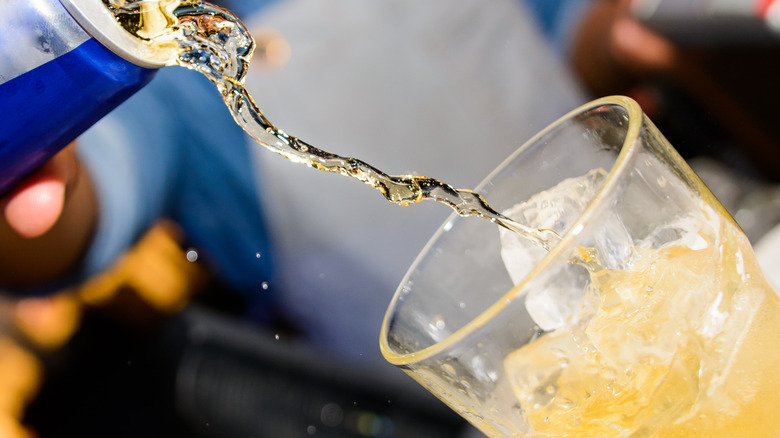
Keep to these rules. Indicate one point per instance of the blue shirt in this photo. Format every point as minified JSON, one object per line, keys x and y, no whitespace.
{"x":173,"y":150}
{"x":558,"y":19}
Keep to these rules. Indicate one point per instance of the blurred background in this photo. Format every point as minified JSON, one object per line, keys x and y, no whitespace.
{"x":252,"y":308}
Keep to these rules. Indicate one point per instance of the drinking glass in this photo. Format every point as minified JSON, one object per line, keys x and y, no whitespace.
{"x":649,"y":317}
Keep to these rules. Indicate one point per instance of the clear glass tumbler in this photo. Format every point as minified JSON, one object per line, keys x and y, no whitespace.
{"x":649,"y":318}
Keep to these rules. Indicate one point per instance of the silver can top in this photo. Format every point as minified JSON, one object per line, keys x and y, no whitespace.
{"x":101,"y":24}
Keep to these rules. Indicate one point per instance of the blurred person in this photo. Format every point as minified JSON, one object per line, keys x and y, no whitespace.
{"x":437,"y":88}
{"x":457,"y":102}
{"x":712,"y":93}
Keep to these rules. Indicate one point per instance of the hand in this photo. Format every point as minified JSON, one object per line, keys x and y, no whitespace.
{"x":36,"y":204}
{"x":46,"y":222}
{"x":614,"y":52}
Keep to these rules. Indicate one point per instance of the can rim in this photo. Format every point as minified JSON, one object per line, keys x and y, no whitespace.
{"x":100,"y":24}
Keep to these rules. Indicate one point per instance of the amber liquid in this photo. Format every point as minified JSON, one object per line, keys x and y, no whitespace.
{"x":677,"y":345}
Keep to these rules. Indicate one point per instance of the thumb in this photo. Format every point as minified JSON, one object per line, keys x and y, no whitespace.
{"x":36,"y":204}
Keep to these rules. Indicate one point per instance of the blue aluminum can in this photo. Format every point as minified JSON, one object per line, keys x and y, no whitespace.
{"x":63,"y":65}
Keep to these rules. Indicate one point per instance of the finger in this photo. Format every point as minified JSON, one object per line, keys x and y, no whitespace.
{"x":637,"y":47}
{"x":36,"y":204}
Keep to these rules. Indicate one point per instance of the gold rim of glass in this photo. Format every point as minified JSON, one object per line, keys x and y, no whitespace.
{"x":635,"y":120}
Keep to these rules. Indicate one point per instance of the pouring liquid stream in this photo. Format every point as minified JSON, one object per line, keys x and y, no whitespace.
{"x":209,"y":39}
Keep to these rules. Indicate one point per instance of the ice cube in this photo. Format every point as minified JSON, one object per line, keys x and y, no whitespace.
{"x":519,"y":254}
{"x":685,"y":231}
{"x":613,"y":243}
{"x":550,"y":306}
{"x":555,"y":209}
